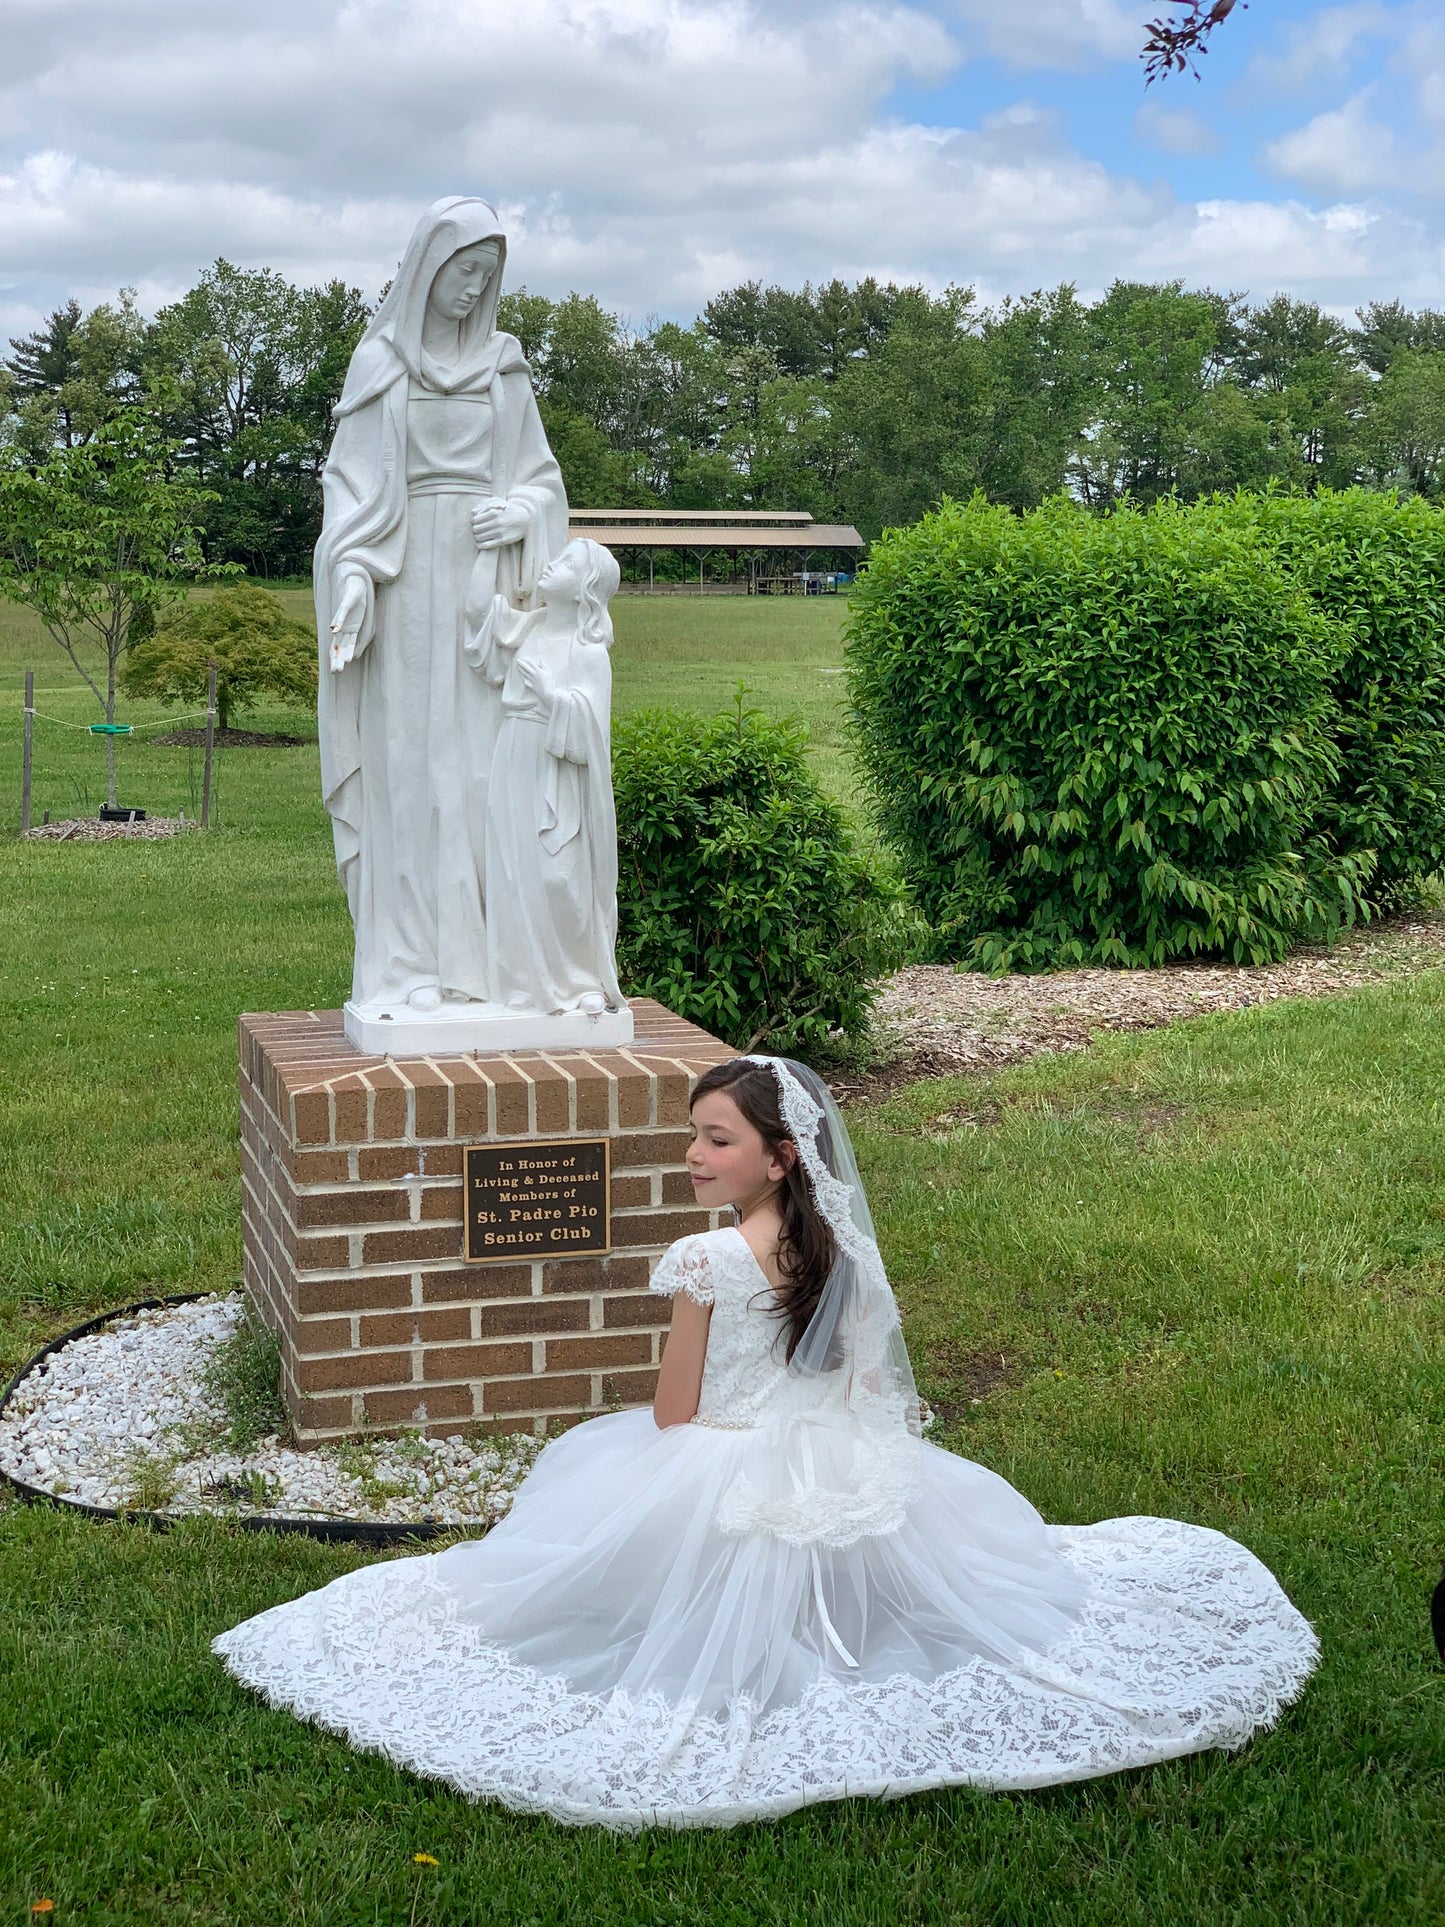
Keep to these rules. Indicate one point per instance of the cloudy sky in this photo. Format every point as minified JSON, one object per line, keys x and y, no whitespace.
{"x":653,"y":151}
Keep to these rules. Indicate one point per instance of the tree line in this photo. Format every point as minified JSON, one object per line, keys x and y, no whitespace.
{"x":863,"y":403}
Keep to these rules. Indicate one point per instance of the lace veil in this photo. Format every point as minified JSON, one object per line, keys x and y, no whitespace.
{"x":842,"y":1427}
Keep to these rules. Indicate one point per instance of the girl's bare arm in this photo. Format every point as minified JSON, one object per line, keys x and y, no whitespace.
{"x":679,"y":1383}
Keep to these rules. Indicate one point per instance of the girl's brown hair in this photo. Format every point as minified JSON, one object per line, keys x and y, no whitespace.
{"x":807,"y":1247}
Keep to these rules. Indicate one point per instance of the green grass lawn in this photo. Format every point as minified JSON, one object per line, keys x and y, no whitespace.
{"x":1195,"y":1272}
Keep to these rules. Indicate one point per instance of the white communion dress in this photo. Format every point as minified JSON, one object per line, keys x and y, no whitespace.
{"x":770,"y":1607}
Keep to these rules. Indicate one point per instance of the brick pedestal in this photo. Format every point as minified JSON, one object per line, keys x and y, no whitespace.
{"x":351,"y":1176}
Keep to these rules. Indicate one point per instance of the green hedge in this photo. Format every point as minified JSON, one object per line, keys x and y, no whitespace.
{"x":1377,"y":564}
{"x":743,"y":903}
{"x":1101,"y":740}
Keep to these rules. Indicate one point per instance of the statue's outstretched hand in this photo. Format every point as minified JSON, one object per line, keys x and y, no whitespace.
{"x":346,"y":623}
{"x":498,"y":522}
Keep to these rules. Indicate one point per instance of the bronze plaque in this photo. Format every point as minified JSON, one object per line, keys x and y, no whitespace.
{"x":531,"y":1200}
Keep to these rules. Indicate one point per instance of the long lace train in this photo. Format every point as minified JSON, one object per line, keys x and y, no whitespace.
{"x":608,"y":1655}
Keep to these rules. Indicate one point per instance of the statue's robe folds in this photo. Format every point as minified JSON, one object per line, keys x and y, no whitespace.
{"x":408,"y":727}
{"x":552,"y":825}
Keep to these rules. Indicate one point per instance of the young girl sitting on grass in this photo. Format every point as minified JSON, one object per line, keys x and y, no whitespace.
{"x":769,"y":1590}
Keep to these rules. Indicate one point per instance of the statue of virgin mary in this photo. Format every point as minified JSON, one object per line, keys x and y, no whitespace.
{"x":440,"y":494}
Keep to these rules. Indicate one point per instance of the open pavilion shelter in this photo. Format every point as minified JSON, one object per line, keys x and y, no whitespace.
{"x":747,"y":552}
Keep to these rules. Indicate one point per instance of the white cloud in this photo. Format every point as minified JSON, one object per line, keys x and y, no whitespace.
{"x":1051,"y":33}
{"x":1344,"y":151}
{"x":649,"y":151}
{"x":1177,"y":130}
{"x":1321,"y":48}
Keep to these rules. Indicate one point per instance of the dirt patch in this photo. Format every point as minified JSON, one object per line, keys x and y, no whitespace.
{"x":933,"y":1021}
{"x":964,"y":1379}
{"x":229,"y":739}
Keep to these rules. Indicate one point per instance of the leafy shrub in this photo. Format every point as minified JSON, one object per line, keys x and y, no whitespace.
{"x":1098,"y":740}
{"x":744,"y":906}
{"x":1377,"y":564}
{"x":256,"y":647}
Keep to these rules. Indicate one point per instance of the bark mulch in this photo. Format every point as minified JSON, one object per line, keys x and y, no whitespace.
{"x":933,"y":1021}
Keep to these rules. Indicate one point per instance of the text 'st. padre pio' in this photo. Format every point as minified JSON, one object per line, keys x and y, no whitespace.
{"x":530,"y":1200}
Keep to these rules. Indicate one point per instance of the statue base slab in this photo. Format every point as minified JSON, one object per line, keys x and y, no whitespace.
{"x":462,"y":1029}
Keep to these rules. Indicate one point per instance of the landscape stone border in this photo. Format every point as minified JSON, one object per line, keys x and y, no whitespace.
{"x":341,"y":1531}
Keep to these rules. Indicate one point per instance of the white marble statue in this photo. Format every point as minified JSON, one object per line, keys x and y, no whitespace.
{"x":442,"y":502}
{"x":552,"y":873}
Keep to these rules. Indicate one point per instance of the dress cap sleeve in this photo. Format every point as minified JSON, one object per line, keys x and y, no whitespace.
{"x":684,"y":1267}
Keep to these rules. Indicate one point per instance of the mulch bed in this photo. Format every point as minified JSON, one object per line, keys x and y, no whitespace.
{"x":934,"y":1021}
{"x":229,"y":739}
{"x":89,"y":829}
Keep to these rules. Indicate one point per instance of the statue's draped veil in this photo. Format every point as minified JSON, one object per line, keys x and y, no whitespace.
{"x":395,"y":331}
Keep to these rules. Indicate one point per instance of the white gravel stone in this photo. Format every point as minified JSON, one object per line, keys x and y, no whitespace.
{"x":122,"y":1416}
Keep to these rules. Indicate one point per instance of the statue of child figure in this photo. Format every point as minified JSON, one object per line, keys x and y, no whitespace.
{"x":551,"y":839}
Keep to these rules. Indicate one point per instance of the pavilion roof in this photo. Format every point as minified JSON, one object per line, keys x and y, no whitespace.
{"x":709,"y":529}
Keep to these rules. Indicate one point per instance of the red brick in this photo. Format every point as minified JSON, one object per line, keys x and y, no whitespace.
{"x":533,"y":1315}
{"x":592,"y":1353}
{"x":637,"y":1308}
{"x":634,"y":1096}
{"x":476,"y":1281}
{"x":353,"y":1206}
{"x":429,"y":1327}
{"x":593,"y":1274}
{"x":353,"y":1293}
{"x":593,"y":1095}
{"x":411,"y":1247}
{"x":442,"y":1202}
{"x":674,"y":1088}
{"x":534,"y":1394}
{"x":629,"y":1191}
{"x":552,"y":1098}
{"x":649,"y":1147}
{"x":488,"y":1427}
{"x":321,"y":1254}
{"x":511,"y":1099}
{"x":401,"y":1407}
{"x":386,"y":1161}
{"x":431,"y":1102}
{"x":476,"y":1361}
{"x":324,"y":1414}
{"x":351,"y":1100}
{"x":440,"y":1161}
{"x":651,"y":1227}
{"x":319,"y":1167}
{"x":469,"y":1102}
{"x":311,"y":1118}
{"x":388,"y":1117}
{"x":630,"y":1388}
{"x":353,"y":1370}
{"x":323,"y":1335}
{"x":677,"y":1188}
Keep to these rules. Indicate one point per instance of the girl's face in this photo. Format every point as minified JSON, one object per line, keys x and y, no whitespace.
{"x":561,"y":580}
{"x":728,"y":1160}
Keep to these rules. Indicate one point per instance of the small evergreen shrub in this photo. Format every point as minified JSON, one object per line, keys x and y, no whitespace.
{"x":1100,"y":740}
{"x":1376,"y":564}
{"x":743,"y":904}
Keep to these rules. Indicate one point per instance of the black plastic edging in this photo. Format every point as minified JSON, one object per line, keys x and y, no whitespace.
{"x":341,"y":1531}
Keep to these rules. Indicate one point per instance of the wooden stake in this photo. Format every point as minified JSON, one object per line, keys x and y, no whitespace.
{"x":210,"y":745}
{"x":29,"y":746}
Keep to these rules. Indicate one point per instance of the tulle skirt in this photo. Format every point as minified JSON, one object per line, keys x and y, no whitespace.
{"x":608,"y":1654}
